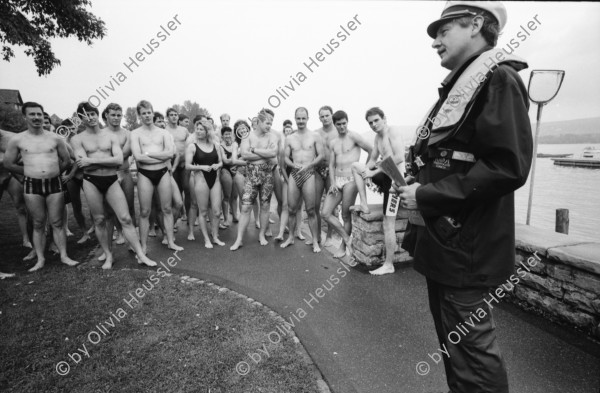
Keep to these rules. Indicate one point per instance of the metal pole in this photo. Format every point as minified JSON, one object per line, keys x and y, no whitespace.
{"x":535,"y":143}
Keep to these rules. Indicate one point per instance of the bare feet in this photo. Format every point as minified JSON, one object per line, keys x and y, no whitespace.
{"x":120,"y":239}
{"x":309,"y":242}
{"x":269,"y":233}
{"x":300,"y":236}
{"x":218,"y":242}
{"x":222,"y":225}
{"x":68,"y":261}
{"x":340,"y":253}
{"x":6,"y":275}
{"x":191,"y":236}
{"x":102,"y":257}
{"x":152,"y":233}
{"x":175,"y":247}
{"x":257,"y":224}
{"x":235,"y":219}
{"x":27,"y":243}
{"x":289,"y":241}
{"x":69,"y":233}
{"x":208,"y":244}
{"x":236,"y":245}
{"x":54,"y":249}
{"x":385,"y":269}
{"x":84,"y":238}
{"x":108,"y":264}
{"x":29,"y":256}
{"x":144,"y":260}
{"x":39,"y":264}
{"x":279,"y":237}
{"x":263,"y":241}
{"x":316,"y":248}
{"x":362,"y":208}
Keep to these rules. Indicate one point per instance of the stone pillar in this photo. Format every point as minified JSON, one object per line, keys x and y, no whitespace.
{"x":367,"y":236}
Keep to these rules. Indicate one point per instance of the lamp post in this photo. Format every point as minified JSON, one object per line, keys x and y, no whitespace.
{"x":543,"y":87}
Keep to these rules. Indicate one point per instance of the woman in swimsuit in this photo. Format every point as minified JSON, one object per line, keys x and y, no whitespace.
{"x":229,"y":174}
{"x":203,"y":158}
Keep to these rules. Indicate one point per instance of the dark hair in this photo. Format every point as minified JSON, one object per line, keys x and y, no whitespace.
{"x":143,"y":104}
{"x":374,"y":111}
{"x":182,"y":117}
{"x":325,"y":107}
{"x":339,"y":115}
{"x":226,"y":129}
{"x":238,"y":139}
{"x":169,"y":110}
{"x":300,"y":108}
{"x":46,"y":115}
{"x":287,"y":123}
{"x":157,"y":115}
{"x":30,"y":104}
{"x":85,"y":107}
{"x":199,"y":117}
{"x":111,"y":107}
{"x":67,"y":122}
{"x":490,"y":30}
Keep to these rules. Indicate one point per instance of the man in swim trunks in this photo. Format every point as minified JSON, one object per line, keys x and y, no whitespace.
{"x":152,"y":148}
{"x":178,"y":171}
{"x":258,"y":150}
{"x":45,"y":157}
{"x":306,"y":150}
{"x":99,"y":154}
{"x":112,"y":115}
{"x":388,"y":143}
{"x":323,"y":181}
{"x":345,"y":150}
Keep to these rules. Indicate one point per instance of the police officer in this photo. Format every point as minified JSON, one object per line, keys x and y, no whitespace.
{"x":474,"y":149}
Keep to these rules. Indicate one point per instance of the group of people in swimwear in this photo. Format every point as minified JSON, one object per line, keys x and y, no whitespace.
{"x":201,"y":177}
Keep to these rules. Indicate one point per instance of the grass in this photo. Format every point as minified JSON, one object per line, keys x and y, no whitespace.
{"x":180,"y":337}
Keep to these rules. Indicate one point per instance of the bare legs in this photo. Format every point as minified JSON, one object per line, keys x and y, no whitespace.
{"x":295,"y":197}
{"x":347,"y":196}
{"x":203,"y":196}
{"x":389,"y":233}
{"x":357,"y":169}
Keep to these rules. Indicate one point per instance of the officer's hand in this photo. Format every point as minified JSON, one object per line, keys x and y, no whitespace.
{"x":408,"y":199}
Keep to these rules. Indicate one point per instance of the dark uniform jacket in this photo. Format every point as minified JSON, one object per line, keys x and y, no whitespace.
{"x":478,"y":195}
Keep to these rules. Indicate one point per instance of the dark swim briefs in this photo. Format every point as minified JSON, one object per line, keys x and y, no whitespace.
{"x":383,"y":183}
{"x":42,"y":187}
{"x":154,"y":175}
{"x":102,"y":183}
{"x":301,"y":178}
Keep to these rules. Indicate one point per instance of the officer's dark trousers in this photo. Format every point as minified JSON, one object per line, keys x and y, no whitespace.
{"x":466,"y":330}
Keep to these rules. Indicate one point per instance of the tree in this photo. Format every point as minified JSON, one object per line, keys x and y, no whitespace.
{"x":11,"y":119}
{"x":131,"y":122}
{"x":191,"y":110}
{"x":32,"y":23}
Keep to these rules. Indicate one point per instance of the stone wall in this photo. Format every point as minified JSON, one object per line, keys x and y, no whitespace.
{"x":565,"y":283}
{"x":367,"y":236}
{"x":563,"y":273}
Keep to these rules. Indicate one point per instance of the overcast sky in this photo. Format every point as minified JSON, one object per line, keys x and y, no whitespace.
{"x":232,"y":56}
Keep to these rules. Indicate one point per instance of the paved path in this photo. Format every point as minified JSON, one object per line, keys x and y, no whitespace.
{"x":367,"y":334}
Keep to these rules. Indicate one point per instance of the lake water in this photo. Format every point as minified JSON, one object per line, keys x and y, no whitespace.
{"x":557,"y":187}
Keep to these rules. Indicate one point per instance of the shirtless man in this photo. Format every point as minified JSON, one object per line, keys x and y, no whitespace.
{"x":258,"y":150}
{"x":112,"y":115}
{"x":45,"y":157}
{"x":345,"y":150}
{"x":323,"y":181}
{"x":152,"y":148}
{"x":306,"y":150}
{"x":178,"y":171}
{"x":388,"y":143}
{"x":99,"y":154}
{"x":13,"y":184}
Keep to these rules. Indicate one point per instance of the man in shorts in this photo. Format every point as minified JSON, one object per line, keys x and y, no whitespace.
{"x":258,"y":150}
{"x":45,"y":157}
{"x":388,"y":143}
{"x":345,"y":150}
